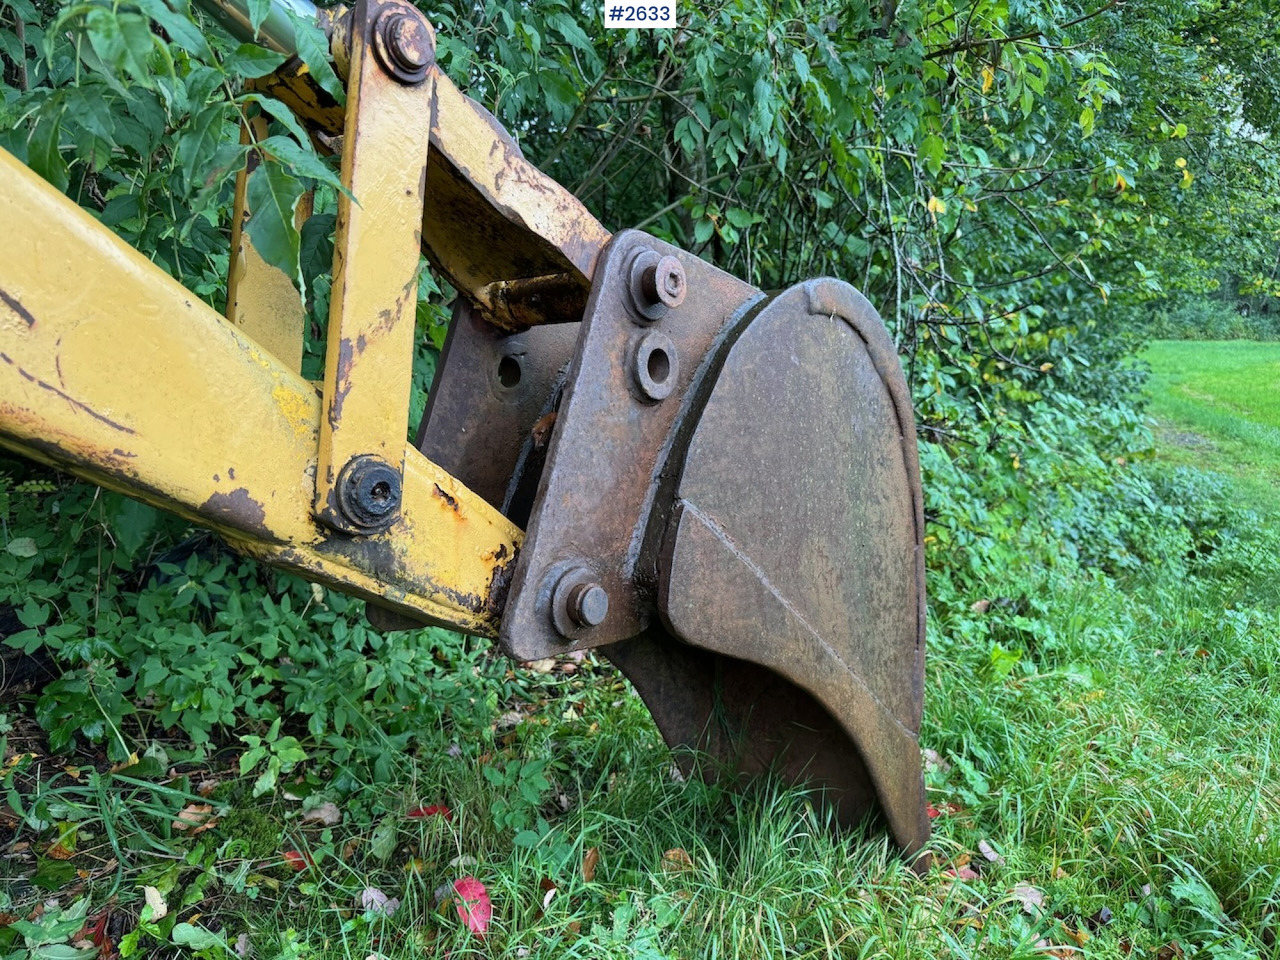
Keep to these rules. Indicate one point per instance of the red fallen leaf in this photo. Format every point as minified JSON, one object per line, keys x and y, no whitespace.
{"x":945,"y":810}
{"x":473,"y":905}
{"x":963,"y":872}
{"x":299,"y":861}
{"x":436,"y":809}
{"x":94,"y":932}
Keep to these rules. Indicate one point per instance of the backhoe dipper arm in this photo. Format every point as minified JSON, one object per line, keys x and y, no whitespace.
{"x":624,"y":446}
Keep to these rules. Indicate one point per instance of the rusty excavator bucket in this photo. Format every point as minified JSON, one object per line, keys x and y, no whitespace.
{"x":625,"y":448}
{"x":721,"y":491}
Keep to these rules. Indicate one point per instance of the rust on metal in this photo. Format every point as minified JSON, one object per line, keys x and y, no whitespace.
{"x":798,"y":548}
{"x":516,"y":305}
{"x":490,"y":391}
{"x":606,"y":430}
{"x":295,"y":86}
{"x":404,"y":44}
{"x":237,"y":509}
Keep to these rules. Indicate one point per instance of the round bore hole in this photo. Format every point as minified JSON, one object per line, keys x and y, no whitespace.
{"x":381,"y":491}
{"x":509,"y":372}
{"x":659,"y":366}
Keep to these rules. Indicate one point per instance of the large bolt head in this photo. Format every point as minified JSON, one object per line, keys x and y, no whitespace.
{"x":369,"y":493}
{"x":588,"y":604}
{"x":578,"y":602}
{"x":657,"y":284}
{"x":403,"y":44}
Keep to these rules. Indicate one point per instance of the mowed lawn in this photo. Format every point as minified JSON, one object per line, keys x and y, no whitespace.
{"x":1217,"y":407}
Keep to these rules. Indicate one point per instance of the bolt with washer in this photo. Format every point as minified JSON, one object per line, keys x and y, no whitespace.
{"x":403,"y":44}
{"x":578,"y":602}
{"x":657,"y":284}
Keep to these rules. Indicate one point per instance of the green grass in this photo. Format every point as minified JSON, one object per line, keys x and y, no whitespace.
{"x":1217,"y":405}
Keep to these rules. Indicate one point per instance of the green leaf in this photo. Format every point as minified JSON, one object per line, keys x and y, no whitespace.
{"x":250,"y":61}
{"x":568,"y":28}
{"x":44,"y":156}
{"x":198,"y":938}
{"x":932,"y":152}
{"x":702,"y":231}
{"x":178,"y":25}
{"x":313,"y":50}
{"x":53,"y":874}
{"x":278,"y":112}
{"x":382,"y":844}
{"x":558,"y":92}
{"x":258,"y":12}
{"x":22,"y":547}
{"x":304,"y":161}
{"x":1086,"y":121}
{"x":801,"y":63}
{"x":132,"y":521}
{"x":273,"y":194}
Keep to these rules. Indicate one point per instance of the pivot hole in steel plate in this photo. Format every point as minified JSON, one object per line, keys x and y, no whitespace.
{"x":509,"y":372}
{"x":654,"y":366}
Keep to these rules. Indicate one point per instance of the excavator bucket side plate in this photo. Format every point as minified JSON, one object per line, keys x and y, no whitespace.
{"x":795,"y":542}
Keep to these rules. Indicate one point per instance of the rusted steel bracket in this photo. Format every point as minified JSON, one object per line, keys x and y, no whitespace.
{"x":624,"y":388}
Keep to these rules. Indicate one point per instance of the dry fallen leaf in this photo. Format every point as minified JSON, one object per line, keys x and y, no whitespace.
{"x":1055,"y":949}
{"x":988,"y":852}
{"x":980,"y":606}
{"x":945,"y":809}
{"x":373,"y":899}
{"x":677,"y":860}
{"x":541,"y":666}
{"x":159,"y":909}
{"x":196,"y":817}
{"x":327,"y":814}
{"x":590,"y":860}
{"x":1032,"y":900}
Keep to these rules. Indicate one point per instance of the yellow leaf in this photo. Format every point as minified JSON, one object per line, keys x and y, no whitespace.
{"x":1187,"y":177}
{"x":1180,"y":163}
{"x":988,"y":78}
{"x":936,"y":206}
{"x":1046,"y":367}
{"x":1121,"y":183}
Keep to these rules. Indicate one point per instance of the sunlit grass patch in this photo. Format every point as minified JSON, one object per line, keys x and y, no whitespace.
{"x":1218,"y":405}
